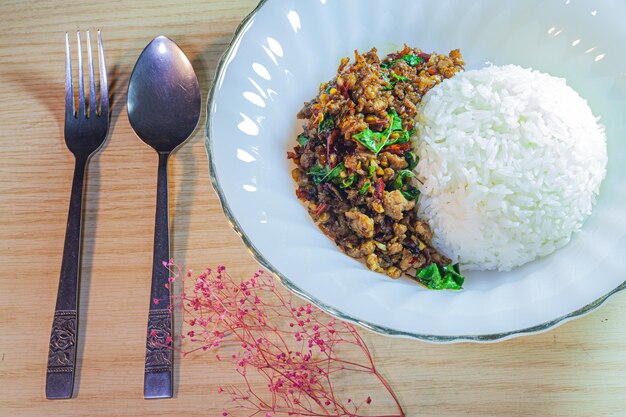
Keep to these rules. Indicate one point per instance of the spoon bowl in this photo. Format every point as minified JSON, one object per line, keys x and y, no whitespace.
{"x":164,"y":97}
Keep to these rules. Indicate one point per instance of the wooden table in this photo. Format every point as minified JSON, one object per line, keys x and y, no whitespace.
{"x":578,"y":369}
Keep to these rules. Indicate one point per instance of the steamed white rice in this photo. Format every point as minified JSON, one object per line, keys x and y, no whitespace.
{"x":511,"y":161}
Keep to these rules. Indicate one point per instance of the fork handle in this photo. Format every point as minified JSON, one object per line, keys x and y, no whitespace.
{"x":159,"y":365}
{"x":63,"y":338}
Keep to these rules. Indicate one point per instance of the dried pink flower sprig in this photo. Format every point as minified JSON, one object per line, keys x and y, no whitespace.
{"x":296,"y":349}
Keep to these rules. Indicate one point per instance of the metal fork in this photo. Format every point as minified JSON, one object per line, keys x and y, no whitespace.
{"x":86,"y":128}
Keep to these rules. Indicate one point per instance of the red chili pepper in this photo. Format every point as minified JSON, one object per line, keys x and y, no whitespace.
{"x":398,"y":149}
{"x":302,"y":195}
{"x":343,"y":89}
{"x":424,"y":56}
{"x":380,"y":188}
{"x":321,"y":208}
{"x":330,"y":146}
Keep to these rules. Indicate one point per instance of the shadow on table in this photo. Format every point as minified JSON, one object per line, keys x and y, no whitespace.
{"x":91,"y":203}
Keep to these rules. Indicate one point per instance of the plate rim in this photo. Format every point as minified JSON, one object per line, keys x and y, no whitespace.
{"x":259,"y":257}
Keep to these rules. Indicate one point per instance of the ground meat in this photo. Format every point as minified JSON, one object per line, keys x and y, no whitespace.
{"x":353,"y":160}
{"x":396,"y":204}
{"x":396,"y":162}
{"x":423,"y":231}
{"x":361,"y":224}
{"x":399,"y":230}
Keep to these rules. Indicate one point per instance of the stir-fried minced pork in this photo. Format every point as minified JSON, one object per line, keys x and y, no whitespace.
{"x":354,"y":158}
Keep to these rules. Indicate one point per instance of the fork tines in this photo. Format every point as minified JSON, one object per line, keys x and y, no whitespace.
{"x":90,"y":107}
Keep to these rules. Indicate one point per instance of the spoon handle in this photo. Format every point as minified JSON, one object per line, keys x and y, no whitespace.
{"x":64,"y":335}
{"x":159,"y":365}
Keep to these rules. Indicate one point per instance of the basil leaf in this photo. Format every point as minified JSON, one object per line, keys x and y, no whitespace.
{"x":411,"y":159}
{"x":317,"y":174}
{"x":428,"y":274}
{"x":302,"y":139}
{"x":399,"y":77}
{"x":392,"y":83}
{"x":448,"y":283}
{"x":412,"y":60}
{"x":398,"y":183}
{"x":411,"y":193}
{"x":386,"y":79}
{"x":396,"y":126}
{"x":366,"y":186}
{"x":369,"y":139}
{"x":348,"y":181}
{"x":453,"y":272}
{"x":433,"y":278}
{"x":403,"y":138}
{"x":320,"y":174}
{"x":375,"y":141}
{"x":326,"y":125}
{"x":396,"y":122}
{"x":334,"y":173}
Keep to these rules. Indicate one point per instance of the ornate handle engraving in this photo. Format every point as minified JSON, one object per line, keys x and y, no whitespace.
{"x":159,"y":341}
{"x":62,"y":353}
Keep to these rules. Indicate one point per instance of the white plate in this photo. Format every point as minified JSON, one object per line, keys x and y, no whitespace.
{"x":286,"y":48}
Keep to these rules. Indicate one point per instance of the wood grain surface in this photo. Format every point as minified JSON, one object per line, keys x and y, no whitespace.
{"x":578,"y":369}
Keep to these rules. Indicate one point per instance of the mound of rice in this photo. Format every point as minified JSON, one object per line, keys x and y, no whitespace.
{"x":511,"y":161}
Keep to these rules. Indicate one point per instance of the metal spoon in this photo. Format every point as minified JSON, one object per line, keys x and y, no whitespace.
{"x":163,"y":104}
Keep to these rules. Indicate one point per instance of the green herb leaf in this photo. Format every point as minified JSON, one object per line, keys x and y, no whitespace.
{"x":440,"y":278}
{"x":453,"y":272}
{"x":326,"y":125}
{"x":398,"y":183}
{"x":366,"y":186}
{"x":371,"y":140}
{"x":411,"y":193}
{"x":403,"y":138}
{"x":399,"y":77}
{"x":386,"y":79}
{"x":320,"y":174}
{"x":302,"y":139}
{"x":428,"y":274}
{"x":392,"y":83}
{"x":411,"y":159}
{"x":396,"y":121}
{"x":375,"y":141}
{"x":396,"y":126}
{"x":371,"y":170}
{"x":334,"y":173}
{"x":348,"y":181}
{"x":412,"y":60}
{"x":317,"y":174}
